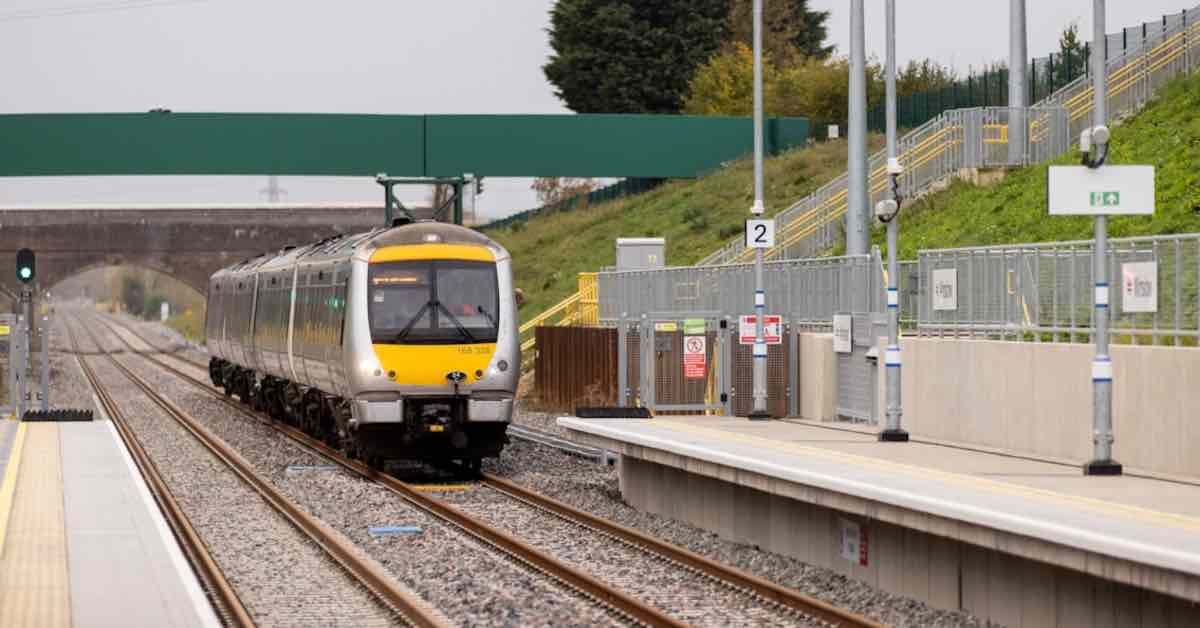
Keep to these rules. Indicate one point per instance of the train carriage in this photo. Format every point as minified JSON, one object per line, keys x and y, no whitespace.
{"x":396,"y":343}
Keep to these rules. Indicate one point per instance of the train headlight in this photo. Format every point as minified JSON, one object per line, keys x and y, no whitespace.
{"x":370,"y":367}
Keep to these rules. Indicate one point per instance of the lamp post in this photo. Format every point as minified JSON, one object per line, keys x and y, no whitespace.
{"x":759,"y":411}
{"x":888,"y":212}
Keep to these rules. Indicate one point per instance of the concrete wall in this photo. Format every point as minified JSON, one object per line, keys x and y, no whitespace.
{"x":816,"y":381}
{"x":943,"y":572}
{"x":1036,"y":398}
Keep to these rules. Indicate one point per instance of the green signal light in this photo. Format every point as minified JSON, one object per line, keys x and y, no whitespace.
{"x":26,"y":272}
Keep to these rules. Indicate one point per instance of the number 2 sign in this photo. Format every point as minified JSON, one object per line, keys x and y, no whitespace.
{"x":760,"y":234}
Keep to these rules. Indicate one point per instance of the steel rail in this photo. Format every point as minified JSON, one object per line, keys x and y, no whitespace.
{"x":524,"y":553}
{"x":794,"y":600}
{"x":229,"y":606}
{"x":761,"y":587}
{"x":371,"y":575}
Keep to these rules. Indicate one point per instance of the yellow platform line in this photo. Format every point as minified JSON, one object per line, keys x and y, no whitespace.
{"x":9,"y":486}
{"x":34,"y":585}
{"x":1135,"y":512}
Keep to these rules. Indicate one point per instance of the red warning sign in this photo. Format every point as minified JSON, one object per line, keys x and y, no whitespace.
{"x":694,"y":357}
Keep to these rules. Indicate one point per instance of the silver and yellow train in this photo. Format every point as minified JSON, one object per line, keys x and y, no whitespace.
{"x":396,"y":343}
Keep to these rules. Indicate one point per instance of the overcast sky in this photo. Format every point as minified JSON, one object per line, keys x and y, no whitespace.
{"x":375,"y":56}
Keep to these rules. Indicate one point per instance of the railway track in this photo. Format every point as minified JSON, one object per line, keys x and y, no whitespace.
{"x":617,"y":602}
{"x":225,"y":601}
{"x":371,"y":576}
{"x":759,"y":590}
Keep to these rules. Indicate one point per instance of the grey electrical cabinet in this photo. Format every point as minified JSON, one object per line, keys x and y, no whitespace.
{"x":641,"y":253}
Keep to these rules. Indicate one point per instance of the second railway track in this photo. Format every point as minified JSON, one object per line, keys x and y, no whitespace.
{"x":368,"y":574}
{"x":760,"y":601}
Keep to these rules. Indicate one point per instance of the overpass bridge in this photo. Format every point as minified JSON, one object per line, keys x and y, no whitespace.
{"x":185,"y":242}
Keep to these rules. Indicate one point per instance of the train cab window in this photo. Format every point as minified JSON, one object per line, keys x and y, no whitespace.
{"x":433,"y":302}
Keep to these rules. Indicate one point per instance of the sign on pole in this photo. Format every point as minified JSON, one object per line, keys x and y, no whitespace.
{"x":1139,"y":287}
{"x":843,"y":329}
{"x":945,"y":289}
{"x":695,"y":357}
{"x":772,"y":329}
{"x":1103,"y":191}
{"x":760,"y":234}
{"x":694,"y":326}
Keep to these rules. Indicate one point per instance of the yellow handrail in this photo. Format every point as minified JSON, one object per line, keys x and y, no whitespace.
{"x":581,"y":308}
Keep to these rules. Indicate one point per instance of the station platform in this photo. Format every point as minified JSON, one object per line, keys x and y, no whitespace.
{"x":82,"y":542}
{"x":1014,"y":540}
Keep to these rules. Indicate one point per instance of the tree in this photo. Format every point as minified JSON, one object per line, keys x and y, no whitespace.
{"x":925,"y":75}
{"x":631,"y":56}
{"x":1071,"y":60}
{"x":725,"y":85}
{"x":815,"y":88}
{"x":133,"y":295}
{"x":554,"y":190}
{"x":789,"y":28}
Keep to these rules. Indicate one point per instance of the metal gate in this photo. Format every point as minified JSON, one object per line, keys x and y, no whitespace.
{"x":779,"y":369}
{"x":856,"y":372}
{"x":668,"y":368}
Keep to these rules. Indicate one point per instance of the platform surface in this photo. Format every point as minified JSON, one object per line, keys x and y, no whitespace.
{"x":1145,"y":521}
{"x":82,"y":541}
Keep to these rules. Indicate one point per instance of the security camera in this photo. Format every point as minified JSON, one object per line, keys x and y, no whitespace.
{"x":886,"y":208}
{"x":894,"y":167}
{"x":1100,"y":135}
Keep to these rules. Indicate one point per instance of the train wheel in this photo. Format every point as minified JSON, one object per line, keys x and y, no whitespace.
{"x":350,"y":446}
{"x":473,"y":467}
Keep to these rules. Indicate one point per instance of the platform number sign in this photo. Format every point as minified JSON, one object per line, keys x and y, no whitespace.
{"x":760,"y":234}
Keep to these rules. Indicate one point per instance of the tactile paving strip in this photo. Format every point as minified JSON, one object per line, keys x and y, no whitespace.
{"x":34,"y":588}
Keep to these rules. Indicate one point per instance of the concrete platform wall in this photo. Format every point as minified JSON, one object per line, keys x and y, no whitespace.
{"x":1032,"y":398}
{"x":940,"y":571}
{"x":816,"y":381}
{"x":1037,"y":398}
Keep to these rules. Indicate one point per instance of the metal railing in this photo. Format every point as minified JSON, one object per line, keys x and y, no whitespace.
{"x":808,"y":292}
{"x":978,"y":138}
{"x":1044,"y":292}
{"x":577,"y":309}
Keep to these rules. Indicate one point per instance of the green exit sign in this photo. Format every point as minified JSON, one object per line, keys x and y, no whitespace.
{"x":1106,"y":199}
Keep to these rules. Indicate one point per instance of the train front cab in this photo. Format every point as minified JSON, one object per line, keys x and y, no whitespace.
{"x":436,"y":319}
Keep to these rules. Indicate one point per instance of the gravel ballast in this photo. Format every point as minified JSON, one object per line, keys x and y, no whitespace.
{"x":594,"y":488}
{"x":281,"y":577}
{"x":467,"y":581}
{"x":579,"y":483}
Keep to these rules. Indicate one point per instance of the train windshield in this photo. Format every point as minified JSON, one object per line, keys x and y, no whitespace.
{"x":433,"y":302}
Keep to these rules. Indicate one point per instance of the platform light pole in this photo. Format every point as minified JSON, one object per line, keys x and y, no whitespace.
{"x":1017,"y":97}
{"x":858,"y":199}
{"x":759,"y":411}
{"x":888,"y":211}
{"x":1102,"y":462}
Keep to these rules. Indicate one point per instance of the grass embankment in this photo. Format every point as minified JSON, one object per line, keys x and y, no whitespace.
{"x":1165,"y":134}
{"x":695,"y":216}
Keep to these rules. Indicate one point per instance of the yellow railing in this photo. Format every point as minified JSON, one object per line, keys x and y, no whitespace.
{"x":581,"y":308}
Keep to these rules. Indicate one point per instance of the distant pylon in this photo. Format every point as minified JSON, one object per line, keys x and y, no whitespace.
{"x":273,"y":191}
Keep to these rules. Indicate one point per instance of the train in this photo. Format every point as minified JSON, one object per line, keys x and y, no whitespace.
{"x":397,"y":343}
